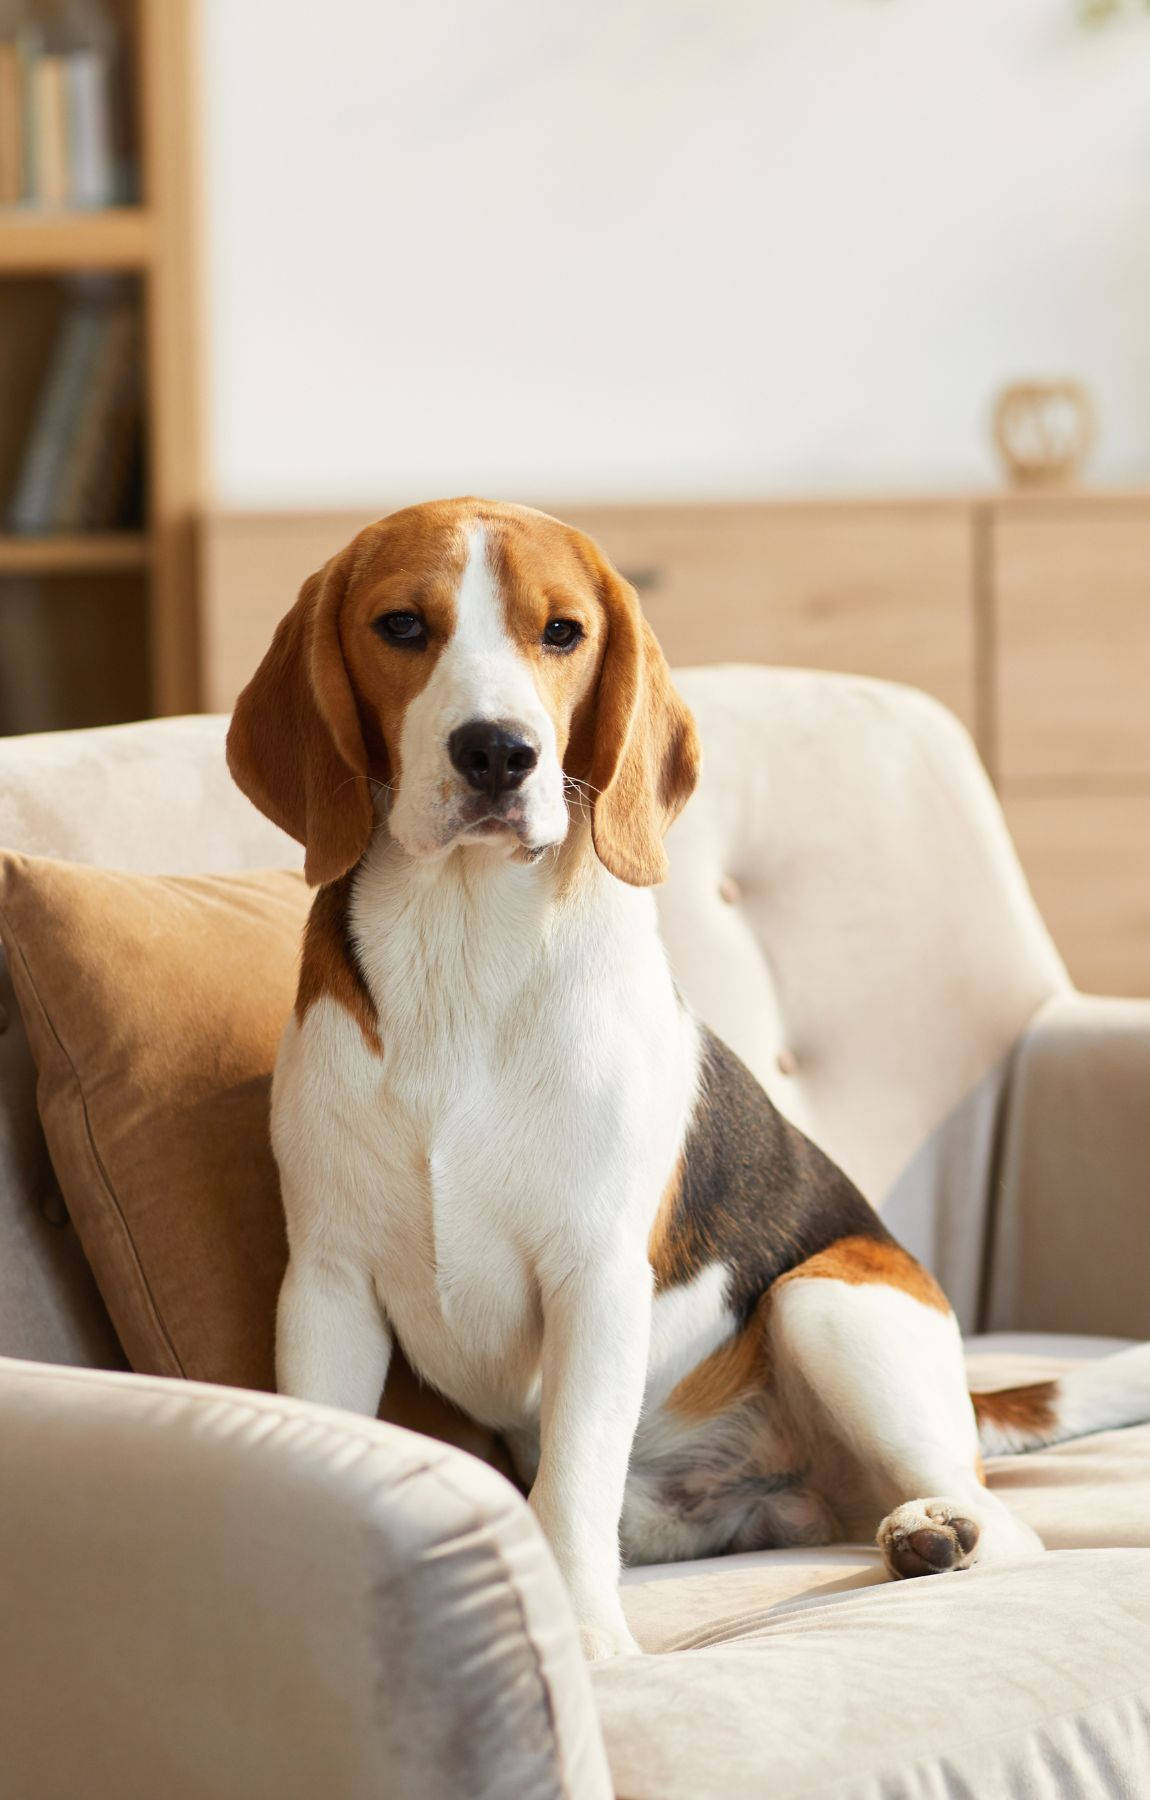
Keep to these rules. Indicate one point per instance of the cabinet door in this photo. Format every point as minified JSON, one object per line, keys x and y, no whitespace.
{"x":872,"y":588}
{"x":1072,"y":594}
{"x":1087,"y":857}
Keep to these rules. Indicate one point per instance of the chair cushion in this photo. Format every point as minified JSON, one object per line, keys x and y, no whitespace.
{"x":807,"y":1671}
{"x":154,"y":1005}
{"x":1027,"y":1678}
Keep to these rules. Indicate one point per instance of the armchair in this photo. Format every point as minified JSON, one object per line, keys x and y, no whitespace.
{"x":212,"y":1592}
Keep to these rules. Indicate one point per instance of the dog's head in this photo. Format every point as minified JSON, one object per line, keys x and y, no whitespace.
{"x":481,"y":665}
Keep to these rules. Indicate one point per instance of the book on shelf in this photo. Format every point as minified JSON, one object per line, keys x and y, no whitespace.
{"x":79,"y":461}
{"x":96,"y":473}
{"x":58,"y":139}
{"x":51,"y":180}
{"x":90,"y":137}
{"x":11,"y":126}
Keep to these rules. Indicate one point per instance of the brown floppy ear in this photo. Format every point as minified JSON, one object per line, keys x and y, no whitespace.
{"x":295,"y":745}
{"x":645,"y":758}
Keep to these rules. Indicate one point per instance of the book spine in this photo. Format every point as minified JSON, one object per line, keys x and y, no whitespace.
{"x":32,"y":506}
{"x":92,"y":175}
{"x":95,"y":475}
{"x":11,"y":125}
{"x":50,"y":130}
{"x":28,"y":48}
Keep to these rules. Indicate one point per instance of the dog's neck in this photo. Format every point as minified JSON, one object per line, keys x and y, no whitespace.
{"x":476,"y":924}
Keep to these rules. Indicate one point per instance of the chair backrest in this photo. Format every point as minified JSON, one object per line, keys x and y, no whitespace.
{"x":846,"y":909}
{"x":156,"y":797}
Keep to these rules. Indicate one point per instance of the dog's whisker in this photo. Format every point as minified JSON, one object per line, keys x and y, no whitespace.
{"x":580,"y":787}
{"x":371,"y":780}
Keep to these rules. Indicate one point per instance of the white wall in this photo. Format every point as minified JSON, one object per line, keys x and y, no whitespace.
{"x":647,"y":247}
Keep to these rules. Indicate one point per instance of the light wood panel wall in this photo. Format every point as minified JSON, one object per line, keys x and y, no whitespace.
{"x":875,"y":589}
{"x":1028,"y":617}
{"x":1073,"y":641}
{"x":871,"y":588}
{"x":1087,"y":857}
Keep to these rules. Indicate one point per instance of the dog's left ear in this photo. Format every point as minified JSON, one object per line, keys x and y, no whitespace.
{"x":645,"y":757}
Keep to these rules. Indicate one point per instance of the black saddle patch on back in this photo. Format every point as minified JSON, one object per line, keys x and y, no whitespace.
{"x":754,"y":1193}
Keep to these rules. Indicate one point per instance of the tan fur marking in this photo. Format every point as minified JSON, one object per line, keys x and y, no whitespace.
{"x":316,"y":731}
{"x":660,"y":1251}
{"x":1027,"y":1410}
{"x":409,"y":562}
{"x":735,"y":1369}
{"x":543,"y":575}
{"x":861,"y":1260}
{"x":980,"y":1469}
{"x":622,"y":731}
{"x":327,"y":966}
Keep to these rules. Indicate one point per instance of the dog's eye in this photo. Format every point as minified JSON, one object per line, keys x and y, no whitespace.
{"x":562,"y":634}
{"x":402,"y":628}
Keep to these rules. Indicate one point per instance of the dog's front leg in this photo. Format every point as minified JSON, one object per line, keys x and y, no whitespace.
{"x":332,"y":1341}
{"x":596,"y":1330}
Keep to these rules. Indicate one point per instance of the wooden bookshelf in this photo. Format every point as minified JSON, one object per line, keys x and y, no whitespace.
{"x":88,"y":551}
{"x":154,"y":242}
{"x":40,"y":243}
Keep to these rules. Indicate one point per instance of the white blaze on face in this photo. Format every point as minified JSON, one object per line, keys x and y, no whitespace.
{"x":481,"y":676}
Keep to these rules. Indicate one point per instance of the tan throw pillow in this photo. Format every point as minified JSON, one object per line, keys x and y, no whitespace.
{"x":154,"y":1006}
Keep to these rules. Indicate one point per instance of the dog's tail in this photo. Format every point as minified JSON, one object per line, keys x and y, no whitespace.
{"x":1097,"y":1396}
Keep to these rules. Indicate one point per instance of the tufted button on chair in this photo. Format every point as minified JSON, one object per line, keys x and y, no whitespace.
{"x":214,"y":1593}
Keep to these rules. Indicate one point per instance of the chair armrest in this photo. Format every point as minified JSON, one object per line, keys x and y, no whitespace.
{"x":214,"y":1593}
{"x":1071,"y":1246}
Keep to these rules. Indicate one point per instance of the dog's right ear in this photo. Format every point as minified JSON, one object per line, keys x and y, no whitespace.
{"x":295,"y":745}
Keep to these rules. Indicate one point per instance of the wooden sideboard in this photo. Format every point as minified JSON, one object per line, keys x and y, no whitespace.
{"x":1029,"y":616}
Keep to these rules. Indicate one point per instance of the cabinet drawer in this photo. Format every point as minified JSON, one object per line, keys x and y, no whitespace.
{"x":874,"y":589}
{"x":1088,"y":862}
{"x":1073,"y":609}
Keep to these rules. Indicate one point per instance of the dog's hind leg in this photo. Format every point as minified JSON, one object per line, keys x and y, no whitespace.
{"x":870,"y":1354}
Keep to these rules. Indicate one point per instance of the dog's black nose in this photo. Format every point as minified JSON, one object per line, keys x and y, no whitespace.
{"x":490,"y":757}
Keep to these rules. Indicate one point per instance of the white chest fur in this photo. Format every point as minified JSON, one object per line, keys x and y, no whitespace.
{"x":526,"y":1110}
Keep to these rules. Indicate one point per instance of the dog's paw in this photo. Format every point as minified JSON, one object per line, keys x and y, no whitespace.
{"x":927,"y":1537}
{"x":603,"y":1629}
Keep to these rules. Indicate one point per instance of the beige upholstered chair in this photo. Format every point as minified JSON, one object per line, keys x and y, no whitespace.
{"x":207,"y":1592}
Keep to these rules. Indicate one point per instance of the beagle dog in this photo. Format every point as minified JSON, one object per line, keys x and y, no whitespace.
{"x":507,"y":1144}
